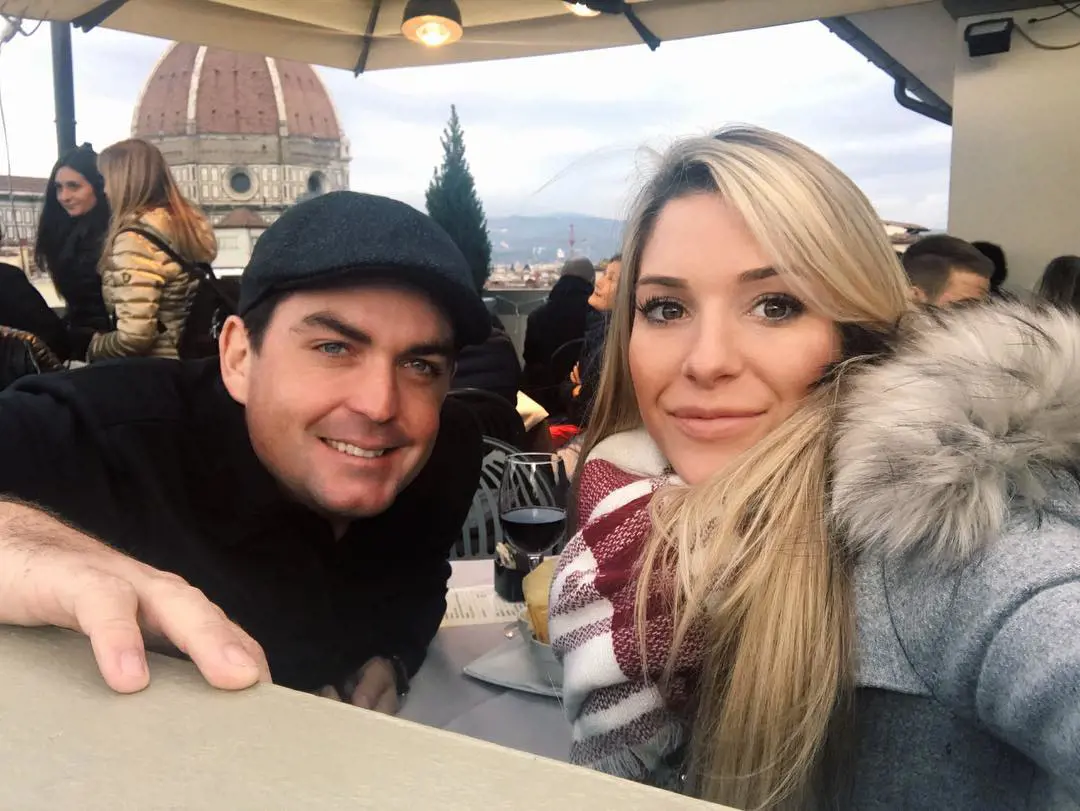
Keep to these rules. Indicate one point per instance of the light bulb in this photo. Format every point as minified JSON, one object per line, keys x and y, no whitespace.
{"x":433,"y":33}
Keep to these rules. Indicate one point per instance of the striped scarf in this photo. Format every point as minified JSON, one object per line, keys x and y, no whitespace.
{"x":624,"y":721}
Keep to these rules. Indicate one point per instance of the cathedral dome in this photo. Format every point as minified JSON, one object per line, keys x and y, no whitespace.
{"x":208,"y":91}
{"x":241,"y":130}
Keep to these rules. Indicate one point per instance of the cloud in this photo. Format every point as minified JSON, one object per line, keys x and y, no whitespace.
{"x":559,"y":133}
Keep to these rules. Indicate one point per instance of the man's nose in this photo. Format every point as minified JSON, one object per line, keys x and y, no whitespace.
{"x":374,"y":393}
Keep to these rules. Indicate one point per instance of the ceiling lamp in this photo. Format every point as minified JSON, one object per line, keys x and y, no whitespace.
{"x":593,"y":7}
{"x":580,"y":9}
{"x":432,"y":22}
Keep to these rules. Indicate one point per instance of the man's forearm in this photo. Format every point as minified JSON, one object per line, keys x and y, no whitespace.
{"x":29,"y":528}
{"x":29,"y":534}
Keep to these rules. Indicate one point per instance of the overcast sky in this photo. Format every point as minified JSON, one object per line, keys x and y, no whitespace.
{"x":550,"y":134}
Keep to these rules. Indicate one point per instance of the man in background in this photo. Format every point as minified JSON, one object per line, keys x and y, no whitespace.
{"x":945,"y":270}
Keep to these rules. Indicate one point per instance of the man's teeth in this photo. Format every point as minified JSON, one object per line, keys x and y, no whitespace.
{"x":352,"y":450}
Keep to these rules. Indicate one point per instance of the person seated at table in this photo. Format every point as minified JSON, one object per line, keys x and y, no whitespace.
{"x":491,"y":366}
{"x":309,"y":483}
{"x":553,"y":334}
{"x":22,"y":307}
{"x":944,"y":270}
{"x":828,"y":553}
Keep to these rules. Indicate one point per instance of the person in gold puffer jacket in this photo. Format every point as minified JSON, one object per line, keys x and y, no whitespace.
{"x":148,"y":294}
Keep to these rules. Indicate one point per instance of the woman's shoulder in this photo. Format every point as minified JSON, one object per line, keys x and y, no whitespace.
{"x":619,"y":469}
{"x":971,"y":427}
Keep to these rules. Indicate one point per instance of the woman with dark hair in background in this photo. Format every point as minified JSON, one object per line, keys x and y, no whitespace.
{"x":70,"y":236}
{"x":148,"y":291}
{"x":1058,"y":284}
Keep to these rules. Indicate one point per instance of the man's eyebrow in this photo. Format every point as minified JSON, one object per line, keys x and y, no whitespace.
{"x":444,"y":348}
{"x":334,"y":323}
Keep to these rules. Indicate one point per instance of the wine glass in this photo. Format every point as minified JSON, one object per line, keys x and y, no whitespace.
{"x":532,"y":503}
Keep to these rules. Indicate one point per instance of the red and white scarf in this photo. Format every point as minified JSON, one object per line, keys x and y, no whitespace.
{"x":624,"y":722}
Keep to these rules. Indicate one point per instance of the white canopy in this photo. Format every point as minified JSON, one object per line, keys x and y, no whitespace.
{"x":332,"y":32}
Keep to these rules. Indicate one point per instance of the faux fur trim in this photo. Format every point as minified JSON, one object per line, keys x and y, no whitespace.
{"x":968,"y":423}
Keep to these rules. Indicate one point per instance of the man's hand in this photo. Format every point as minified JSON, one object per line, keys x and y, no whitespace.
{"x":52,"y":574}
{"x":376,"y":687}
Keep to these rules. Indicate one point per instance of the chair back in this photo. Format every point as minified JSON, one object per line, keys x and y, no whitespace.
{"x":482,"y":529}
{"x":494,"y":416}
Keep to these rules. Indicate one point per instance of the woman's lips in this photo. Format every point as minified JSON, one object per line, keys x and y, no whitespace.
{"x":709,"y":425}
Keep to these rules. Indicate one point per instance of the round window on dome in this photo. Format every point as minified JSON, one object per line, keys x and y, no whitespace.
{"x":316,"y":183}
{"x":240,"y":182}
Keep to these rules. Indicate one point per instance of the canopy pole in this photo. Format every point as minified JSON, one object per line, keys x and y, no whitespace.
{"x":63,"y":86}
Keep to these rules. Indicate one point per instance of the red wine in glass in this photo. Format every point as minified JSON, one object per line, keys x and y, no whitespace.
{"x":532,"y":503}
{"x":534,"y":530}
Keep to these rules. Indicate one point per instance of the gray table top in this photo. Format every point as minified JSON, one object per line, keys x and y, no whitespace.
{"x":443,"y":696}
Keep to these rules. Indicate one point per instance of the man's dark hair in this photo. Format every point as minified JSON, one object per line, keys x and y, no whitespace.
{"x":996,"y":255}
{"x":930,"y":262}
{"x":257,"y":319}
{"x":615,"y":258}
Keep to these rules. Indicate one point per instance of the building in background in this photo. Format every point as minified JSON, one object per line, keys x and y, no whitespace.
{"x":21,"y":200}
{"x":242,"y":133}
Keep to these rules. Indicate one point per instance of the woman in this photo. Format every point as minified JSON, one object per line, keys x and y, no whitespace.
{"x":1058,"y":284}
{"x":70,"y":237}
{"x":586,"y":373}
{"x":805,"y":579}
{"x":148,"y":292}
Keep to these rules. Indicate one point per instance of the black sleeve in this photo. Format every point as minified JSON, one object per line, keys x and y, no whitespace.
{"x":22,"y":307}
{"x":533,"y":351}
{"x":424,"y":524}
{"x":50,"y":457}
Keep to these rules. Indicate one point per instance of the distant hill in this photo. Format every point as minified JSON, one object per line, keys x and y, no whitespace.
{"x":518,"y":240}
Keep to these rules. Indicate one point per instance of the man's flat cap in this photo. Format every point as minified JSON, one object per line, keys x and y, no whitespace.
{"x":331,"y":239}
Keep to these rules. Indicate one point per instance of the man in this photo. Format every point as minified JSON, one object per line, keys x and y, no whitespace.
{"x":944,"y":270}
{"x":304,"y":482}
{"x":557,"y":322}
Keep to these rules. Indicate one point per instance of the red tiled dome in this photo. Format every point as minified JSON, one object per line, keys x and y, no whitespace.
{"x":235,"y":94}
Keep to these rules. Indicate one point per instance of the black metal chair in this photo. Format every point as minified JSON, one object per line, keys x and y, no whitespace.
{"x":494,"y":416}
{"x":549,"y":384}
{"x":482,"y":529}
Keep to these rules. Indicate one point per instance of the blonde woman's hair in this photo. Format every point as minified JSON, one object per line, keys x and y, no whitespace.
{"x":750,"y":554}
{"x":137,"y":181}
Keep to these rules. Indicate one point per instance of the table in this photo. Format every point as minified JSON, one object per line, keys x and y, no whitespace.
{"x":69,"y":742}
{"x":443,"y":696}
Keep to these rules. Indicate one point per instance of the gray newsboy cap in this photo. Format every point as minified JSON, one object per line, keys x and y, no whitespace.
{"x":345,"y":234}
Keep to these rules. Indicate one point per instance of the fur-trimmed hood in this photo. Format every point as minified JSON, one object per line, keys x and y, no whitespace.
{"x":975,"y":418}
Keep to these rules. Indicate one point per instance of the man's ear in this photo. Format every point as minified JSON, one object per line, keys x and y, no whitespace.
{"x":918,"y":295}
{"x":235,"y":354}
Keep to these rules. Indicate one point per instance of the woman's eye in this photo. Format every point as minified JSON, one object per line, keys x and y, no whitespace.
{"x":661,"y":311}
{"x":777,"y":308}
